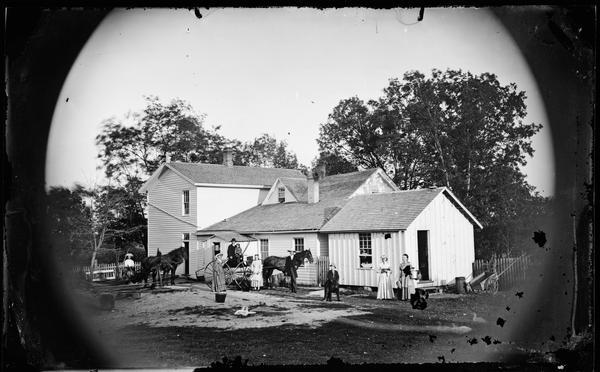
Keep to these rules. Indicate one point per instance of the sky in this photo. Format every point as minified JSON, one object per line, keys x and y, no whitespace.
{"x":279,"y":71}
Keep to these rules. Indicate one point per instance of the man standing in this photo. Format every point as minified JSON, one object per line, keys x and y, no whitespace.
{"x":231,"y":251}
{"x":332,"y":284}
{"x":290,"y":269}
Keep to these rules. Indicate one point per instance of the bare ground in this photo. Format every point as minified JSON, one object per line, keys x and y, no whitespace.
{"x":188,"y":328}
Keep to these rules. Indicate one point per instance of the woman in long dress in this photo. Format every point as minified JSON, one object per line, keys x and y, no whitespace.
{"x":385,"y":291}
{"x":218,"y":282}
{"x":405,"y":275}
{"x":256,"y":277}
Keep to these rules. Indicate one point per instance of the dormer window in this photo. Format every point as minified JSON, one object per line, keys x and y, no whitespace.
{"x":281,"y":194}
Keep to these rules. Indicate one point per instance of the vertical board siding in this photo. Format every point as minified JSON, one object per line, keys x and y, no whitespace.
{"x":451,"y":241}
{"x":322,"y":269}
{"x":166,"y":224}
{"x":323,"y":244}
{"x":344,"y":251}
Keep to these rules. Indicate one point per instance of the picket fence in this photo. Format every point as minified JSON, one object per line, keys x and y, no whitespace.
{"x":104,"y":271}
{"x":511,"y":270}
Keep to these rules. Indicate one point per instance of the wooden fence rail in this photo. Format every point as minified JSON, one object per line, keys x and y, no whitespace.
{"x":511,"y":270}
{"x":104,"y":271}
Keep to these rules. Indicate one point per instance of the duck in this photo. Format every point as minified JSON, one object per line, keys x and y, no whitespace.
{"x":244,"y":311}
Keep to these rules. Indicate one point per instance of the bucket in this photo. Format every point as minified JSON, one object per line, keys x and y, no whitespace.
{"x":220,"y":297}
{"x":460,"y":285}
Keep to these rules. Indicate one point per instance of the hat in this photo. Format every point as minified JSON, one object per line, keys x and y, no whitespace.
{"x":384,"y":256}
{"x":332,"y":264}
{"x":127,"y":255}
{"x":233,"y":240}
{"x":220,"y":254}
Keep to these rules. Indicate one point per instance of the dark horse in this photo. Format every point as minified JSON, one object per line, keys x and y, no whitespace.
{"x":162,"y":264}
{"x":274,"y":262}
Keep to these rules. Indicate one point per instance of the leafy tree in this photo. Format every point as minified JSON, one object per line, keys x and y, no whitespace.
{"x":68,"y":217}
{"x":265,"y":151}
{"x":133,"y":148}
{"x":94,"y":223}
{"x":334,"y":164}
{"x":451,"y":129}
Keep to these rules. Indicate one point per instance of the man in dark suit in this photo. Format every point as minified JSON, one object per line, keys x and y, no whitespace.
{"x":290,"y":270}
{"x":332,"y":284}
{"x":231,"y":253}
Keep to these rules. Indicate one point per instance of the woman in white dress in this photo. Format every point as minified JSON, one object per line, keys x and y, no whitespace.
{"x":385,"y":291}
{"x":256,"y":277}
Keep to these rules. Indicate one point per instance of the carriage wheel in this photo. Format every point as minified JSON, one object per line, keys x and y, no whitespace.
{"x":492,"y":284}
{"x":208,"y":273}
{"x":229,"y":274}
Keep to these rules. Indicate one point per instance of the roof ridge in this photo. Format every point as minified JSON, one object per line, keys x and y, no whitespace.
{"x":232,"y":166}
{"x":351,"y":173}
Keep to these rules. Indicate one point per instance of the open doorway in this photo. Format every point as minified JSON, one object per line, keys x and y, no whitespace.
{"x":423,"y":247}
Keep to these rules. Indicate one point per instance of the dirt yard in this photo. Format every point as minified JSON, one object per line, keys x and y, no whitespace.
{"x":187,"y":328}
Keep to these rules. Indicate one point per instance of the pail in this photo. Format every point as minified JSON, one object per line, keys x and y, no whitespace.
{"x":220,"y":297}
{"x":460,"y":285}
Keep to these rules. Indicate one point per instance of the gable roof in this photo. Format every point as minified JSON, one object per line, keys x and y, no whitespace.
{"x":297,"y":186}
{"x":333,"y":195}
{"x":388,"y":211}
{"x":343,"y":185}
{"x":199,"y":173}
{"x":297,"y":216}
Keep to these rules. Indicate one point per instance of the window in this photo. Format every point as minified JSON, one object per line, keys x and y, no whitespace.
{"x":298,"y":244}
{"x":264,"y":248}
{"x":365,"y":252}
{"x":216,"y":247}
{"x":281,"y":194}
{"x":185,"y":207}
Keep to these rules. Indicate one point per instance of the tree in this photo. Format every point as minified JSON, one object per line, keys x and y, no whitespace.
{"x":451,"y":129}
{"x":132,"y":148}
{"x":88,"y":222}
{"x":265,"y":151}
{"x":334,"y":164}
{"x":68,"y":217}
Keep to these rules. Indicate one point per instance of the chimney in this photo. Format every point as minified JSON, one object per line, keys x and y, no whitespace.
{"x":228,"y":157}
{"x":313,"y":188}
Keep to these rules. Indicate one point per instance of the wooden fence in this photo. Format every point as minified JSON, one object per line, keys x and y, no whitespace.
{"x":511,"y":270}
{"x":322,"y":269}
{"x":105,"y":271}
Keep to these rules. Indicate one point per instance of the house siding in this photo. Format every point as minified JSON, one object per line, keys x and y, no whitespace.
{"x":279,"y":244}
{"x":344,"y":252}
{"x":166,"y":224}
{"x":374,"y":184}
{"x":214,"y":204}
{"x":274,"y":197}
{"x":323,"y":244}
{"x":451,"y":240}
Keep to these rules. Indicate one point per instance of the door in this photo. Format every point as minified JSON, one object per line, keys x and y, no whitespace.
{"x":423,"y":247}
{"x":186,"y":246}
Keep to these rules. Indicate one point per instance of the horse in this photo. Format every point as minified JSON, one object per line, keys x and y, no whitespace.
{"x":161,"y":265}
{"x":148,"y":266}
{"x":171,"y":260}
{"x":274,"y":262}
